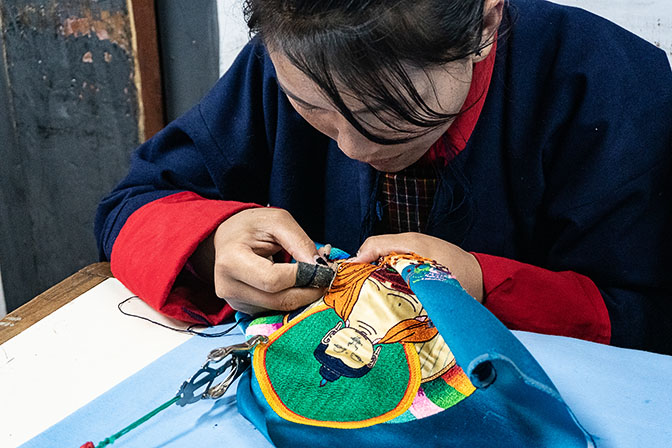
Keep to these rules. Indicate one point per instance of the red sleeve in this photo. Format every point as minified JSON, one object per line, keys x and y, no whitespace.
{"x":526,"y":297}
{"x":154,"y":245}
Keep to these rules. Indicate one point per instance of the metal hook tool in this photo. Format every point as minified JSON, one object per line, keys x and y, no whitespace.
{"x":233,"y":358}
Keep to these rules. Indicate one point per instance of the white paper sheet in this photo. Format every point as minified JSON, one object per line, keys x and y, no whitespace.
{"x":72,"y":356}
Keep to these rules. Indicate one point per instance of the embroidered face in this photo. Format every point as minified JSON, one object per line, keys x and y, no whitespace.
{"x":345,"y":352}
{"x":351,"y":347}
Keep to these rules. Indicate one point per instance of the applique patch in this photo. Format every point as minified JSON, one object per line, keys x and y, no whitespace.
{"x":367,"y":353}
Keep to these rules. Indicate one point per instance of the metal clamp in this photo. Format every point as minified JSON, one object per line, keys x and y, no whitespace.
{"x":233,"y":358}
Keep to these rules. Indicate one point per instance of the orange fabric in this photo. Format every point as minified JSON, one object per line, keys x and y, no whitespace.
{"x":345,"y":290}
{"x":410,"y":330}
{"x":346,"y":287}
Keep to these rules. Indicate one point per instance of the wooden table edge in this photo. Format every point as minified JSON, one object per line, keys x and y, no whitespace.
{"x":52,"y":299}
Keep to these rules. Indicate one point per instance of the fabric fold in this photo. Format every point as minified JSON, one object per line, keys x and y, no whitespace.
{"x":154,"y":245}
{"x":528,"y":297}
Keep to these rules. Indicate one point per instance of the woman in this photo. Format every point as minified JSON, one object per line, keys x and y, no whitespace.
{"x":522,"y":144}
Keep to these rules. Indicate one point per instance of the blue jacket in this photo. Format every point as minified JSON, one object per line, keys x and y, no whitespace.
{"x":568,"y":168}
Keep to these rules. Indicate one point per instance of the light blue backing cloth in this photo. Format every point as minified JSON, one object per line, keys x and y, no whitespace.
{"x":622,"y":397}
{"x":207,"y":423}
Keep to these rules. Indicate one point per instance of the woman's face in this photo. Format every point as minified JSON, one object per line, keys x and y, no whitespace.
{"x":443,"y":88}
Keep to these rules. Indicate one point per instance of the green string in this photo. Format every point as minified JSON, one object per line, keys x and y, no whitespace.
{"x":110,"y":440}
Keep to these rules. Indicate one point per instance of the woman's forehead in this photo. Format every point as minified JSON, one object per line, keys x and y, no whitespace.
{"x":434,"y":83}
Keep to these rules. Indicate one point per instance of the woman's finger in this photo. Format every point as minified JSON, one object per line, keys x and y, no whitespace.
{"x":279,"y":226}
{"x":378,"y":246}
{"x":243,"y":297}
{"x":242,"y":264}
{"x":246,"y":242}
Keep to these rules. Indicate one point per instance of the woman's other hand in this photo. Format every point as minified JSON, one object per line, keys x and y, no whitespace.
{"x":462,"y":264}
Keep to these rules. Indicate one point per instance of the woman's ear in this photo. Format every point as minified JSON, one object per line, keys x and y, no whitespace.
{"x":492,"y":18}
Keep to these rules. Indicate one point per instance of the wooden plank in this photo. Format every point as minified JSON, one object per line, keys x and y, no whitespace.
{"x":147,"y":65}
{"x":53,"y":299}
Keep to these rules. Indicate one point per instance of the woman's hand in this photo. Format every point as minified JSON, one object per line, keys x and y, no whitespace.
{"x":239,"y":258}
{"x":462,"y":264}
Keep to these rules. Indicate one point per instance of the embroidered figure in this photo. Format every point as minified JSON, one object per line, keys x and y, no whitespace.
{"x":376,"y":307}
{"x":369,"y":342}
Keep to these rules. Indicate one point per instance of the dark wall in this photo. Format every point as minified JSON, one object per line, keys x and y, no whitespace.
{"x":69,"y":121}
{"x":70,"y":73}
{"x":189,"y":44}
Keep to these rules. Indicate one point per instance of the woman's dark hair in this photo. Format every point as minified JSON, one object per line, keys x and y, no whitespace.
{"x":368,"y":46}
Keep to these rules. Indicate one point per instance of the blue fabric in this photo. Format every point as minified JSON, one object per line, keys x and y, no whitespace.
{"x":621,"y":396}
{"x":207,"y":423}
{"x":515,"y":405}
{"x":568,"y":167}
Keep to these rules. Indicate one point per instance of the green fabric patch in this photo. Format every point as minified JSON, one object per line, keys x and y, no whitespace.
{"x":294,"y":374}
{"x":266,"y":320}
{"x":442,"y":394}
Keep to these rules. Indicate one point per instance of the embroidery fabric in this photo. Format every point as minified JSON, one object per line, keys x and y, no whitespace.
{"x":367,"y":353}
